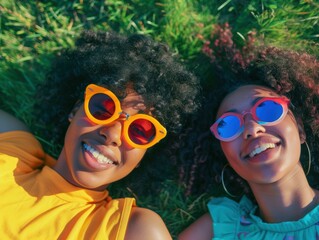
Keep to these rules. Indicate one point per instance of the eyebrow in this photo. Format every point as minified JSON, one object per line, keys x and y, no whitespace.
{"x":251,"y":105}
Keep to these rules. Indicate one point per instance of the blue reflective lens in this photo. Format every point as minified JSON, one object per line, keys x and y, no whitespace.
{"x":269,"y":111}
{"x":228,"y":126}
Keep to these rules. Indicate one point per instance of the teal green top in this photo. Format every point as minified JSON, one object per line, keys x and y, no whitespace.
{"x":232,"y":220}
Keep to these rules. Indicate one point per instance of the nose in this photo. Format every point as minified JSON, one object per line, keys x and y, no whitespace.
{"x":112,"y":133}
{"x":251,"y":127}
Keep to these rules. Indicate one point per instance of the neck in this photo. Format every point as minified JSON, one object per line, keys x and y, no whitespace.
{"x":74,"y":175}
{"x":288,"y":199}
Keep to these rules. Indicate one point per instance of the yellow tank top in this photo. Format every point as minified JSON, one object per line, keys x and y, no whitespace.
{"x":37,"y":203}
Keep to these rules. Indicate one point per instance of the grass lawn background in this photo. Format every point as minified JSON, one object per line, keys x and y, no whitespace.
{"x":32,"y":32}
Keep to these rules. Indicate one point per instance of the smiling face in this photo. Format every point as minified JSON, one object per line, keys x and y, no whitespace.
{"x":260,"y":154}
{"x":94,"y":155}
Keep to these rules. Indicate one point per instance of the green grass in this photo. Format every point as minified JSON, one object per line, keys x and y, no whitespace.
{"x":32,"y":32}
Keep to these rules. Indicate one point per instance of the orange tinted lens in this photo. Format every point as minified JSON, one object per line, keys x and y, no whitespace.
{"x":141,"y":131}
{"x":101,"y":106}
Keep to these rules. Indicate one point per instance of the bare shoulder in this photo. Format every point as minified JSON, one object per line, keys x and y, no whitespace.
{"x":147,"y":225}
{"x":10,"y":123}
{"x":202,"y":228}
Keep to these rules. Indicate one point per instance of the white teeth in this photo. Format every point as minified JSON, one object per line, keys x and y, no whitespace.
{"x":261,"y":148}
{"x":99,"y":156}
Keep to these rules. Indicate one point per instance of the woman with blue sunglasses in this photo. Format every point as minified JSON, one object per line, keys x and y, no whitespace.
{"x":252,"y":140}
{"x":104,"y":104}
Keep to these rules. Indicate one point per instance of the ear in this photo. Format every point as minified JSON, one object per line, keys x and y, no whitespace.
{"x":74,"y":110}
{"x":301,"y":130}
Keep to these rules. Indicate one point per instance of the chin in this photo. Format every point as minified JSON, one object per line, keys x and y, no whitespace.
{"x":88,"y":181}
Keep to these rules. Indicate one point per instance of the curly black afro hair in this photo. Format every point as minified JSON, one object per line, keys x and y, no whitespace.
{"x":115,"y":61}
{"x":296,"y":75}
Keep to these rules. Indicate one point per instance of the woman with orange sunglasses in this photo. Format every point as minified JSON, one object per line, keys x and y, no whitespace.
{"x":115,"y":97}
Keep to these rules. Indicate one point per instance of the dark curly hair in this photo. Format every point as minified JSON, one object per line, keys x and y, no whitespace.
{"x":295,"y":75}
{"x":116,"y":60}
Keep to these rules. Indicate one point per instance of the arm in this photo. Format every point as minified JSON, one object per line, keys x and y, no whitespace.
{"x":147,"y":225}
{"x":202,"y":229}
{"x":10,"y":123}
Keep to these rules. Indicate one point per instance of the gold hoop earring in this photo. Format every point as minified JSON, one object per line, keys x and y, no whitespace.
{"x":223,"y":183}
{"x":309,"y":158}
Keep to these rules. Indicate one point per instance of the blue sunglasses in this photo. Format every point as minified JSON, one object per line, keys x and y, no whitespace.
{"x":266,"y":111}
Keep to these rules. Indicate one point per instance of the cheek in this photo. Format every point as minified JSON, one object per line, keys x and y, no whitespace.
{"x":134,"y":156}
{"x":73,"y":132}
{"x":76,"y":129}
{"x":79,"y":124}
{"x":290,"y":133}
{"x":288,"y":129}
{"x":140,"y":154}
{"x":230,"y":149}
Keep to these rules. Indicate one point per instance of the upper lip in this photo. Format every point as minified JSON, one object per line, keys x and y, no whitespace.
{"x":255,"y":143}
{"x":108,"y":153}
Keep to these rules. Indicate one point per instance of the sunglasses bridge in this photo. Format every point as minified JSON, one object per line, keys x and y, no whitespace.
{"x":244,"y":113}
{"x":126,"y":115}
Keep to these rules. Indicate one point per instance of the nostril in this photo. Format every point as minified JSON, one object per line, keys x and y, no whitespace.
{"x":112,"y":133}
{"x":247,"y":136}
{"x":252,"y":129}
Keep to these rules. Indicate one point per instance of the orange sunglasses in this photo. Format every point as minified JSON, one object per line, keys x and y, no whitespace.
{"x":103,"y":107}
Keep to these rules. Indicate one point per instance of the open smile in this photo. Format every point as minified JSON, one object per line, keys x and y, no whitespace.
{"x":259,"y":149}
{"x":97,"y":155}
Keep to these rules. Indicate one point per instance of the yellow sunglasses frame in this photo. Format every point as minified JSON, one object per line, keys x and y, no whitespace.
{"x":92,"y":89}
